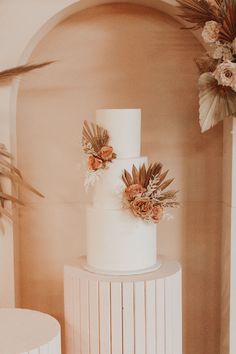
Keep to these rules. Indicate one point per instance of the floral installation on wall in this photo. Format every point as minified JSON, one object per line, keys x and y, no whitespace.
{"x":217,"y":67}
{"x":7,"y":169}
{"x":95,"y":143}
{"x":145,"y":193}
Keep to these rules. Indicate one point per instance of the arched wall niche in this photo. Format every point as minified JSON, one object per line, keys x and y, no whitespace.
{"x":25,"y":23}
{"x":104,"y":74}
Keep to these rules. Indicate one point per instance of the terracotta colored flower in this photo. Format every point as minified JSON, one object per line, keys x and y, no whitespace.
{"x":142,"y":207}
{"x":134,"y":190}
{"x":106,"y":153}
{"x":157,"y":213}
{"x":211,"y":31}
{"x":225,"y":74}
{"x":94,"y":163}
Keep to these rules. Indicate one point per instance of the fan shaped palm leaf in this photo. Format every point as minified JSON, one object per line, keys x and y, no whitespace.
{"x":199,"y":12}
{"x":228,"y":30}
{"x":216,"y":102}
{"x":94,"y":135}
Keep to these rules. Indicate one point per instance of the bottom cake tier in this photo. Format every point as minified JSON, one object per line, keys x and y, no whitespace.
{"x":138,"y":314}
{"x":119,"y":242}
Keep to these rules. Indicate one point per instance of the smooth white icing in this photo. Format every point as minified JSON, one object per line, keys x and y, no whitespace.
{"x":118,"y":241}
{"x":124,"y":128}
{"x":108,"y":188}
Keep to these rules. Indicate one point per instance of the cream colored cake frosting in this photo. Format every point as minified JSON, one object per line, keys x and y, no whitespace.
{"x":117,"y":241}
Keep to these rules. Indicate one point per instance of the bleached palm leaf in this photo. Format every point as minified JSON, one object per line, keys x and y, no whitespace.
{"x":215,"y":102}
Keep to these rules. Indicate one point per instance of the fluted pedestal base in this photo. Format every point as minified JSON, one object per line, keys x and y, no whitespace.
{"x":138,"y":314}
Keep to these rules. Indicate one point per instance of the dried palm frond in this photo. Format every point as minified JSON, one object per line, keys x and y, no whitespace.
{"x":228,"y":29}
{"x":198,"y":12}
{"x":142,"y":175}
{"x":216,"y":102}
{"x":153,"y":181}
{"x":9,"y":171}
{"x":94,"y":137}
{"x":19,"y":70}
{"x":206,"y":64}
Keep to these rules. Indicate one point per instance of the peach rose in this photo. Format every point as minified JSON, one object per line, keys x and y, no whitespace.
{"x":211,"y":31}
{"x":225,"y":74}
{"x":134,"y":190}
{"x":157,"y":213}
{"x":94,"y":163}
{"x":142,"y":207}
{"x":106,"y":153}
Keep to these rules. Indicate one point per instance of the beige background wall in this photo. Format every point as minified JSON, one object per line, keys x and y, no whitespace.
{"x":119,"y":56}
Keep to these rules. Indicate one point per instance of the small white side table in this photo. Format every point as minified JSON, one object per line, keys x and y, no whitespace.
{"x":127,"y":314}
{"x":28,"y":332}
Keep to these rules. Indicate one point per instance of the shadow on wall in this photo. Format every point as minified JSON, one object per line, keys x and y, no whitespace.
{"x":119,"y":56}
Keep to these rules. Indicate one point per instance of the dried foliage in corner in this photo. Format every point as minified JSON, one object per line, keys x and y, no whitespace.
{"x":217,"y":67}
{"x":7,"y":169}
{"x":10,"y":172}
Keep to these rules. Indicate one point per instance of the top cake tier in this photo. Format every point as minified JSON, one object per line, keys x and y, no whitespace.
{"x":124,"y":128}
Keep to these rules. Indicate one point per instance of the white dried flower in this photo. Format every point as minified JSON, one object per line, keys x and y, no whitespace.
{"x":167,"y":215}
{"x":91,"y":178}
{"x":223,"y":51}
{"x":225,"y":74}
{"x":211,"y":31}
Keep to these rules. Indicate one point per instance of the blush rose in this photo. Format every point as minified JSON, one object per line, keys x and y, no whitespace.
{"x":106,"y":153}
{"x":134,"y":190}
{"x":94,"y":163}
{"x":142,"y":207}
{"x":225,"y":74}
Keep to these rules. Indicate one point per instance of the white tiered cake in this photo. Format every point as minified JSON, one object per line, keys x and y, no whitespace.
{"x":117,"y":241}
{"x":109,"y":307}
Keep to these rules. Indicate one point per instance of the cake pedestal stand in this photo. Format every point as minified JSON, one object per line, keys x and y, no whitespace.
{"x":133,"y":314}
{"x":25,"y":331}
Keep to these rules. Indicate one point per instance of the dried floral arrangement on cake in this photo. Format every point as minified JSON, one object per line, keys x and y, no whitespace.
{"x":145,"y":193}
{"x":95,"y":143}
{"x":217,"y":67}
{"x":10,"y":172}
